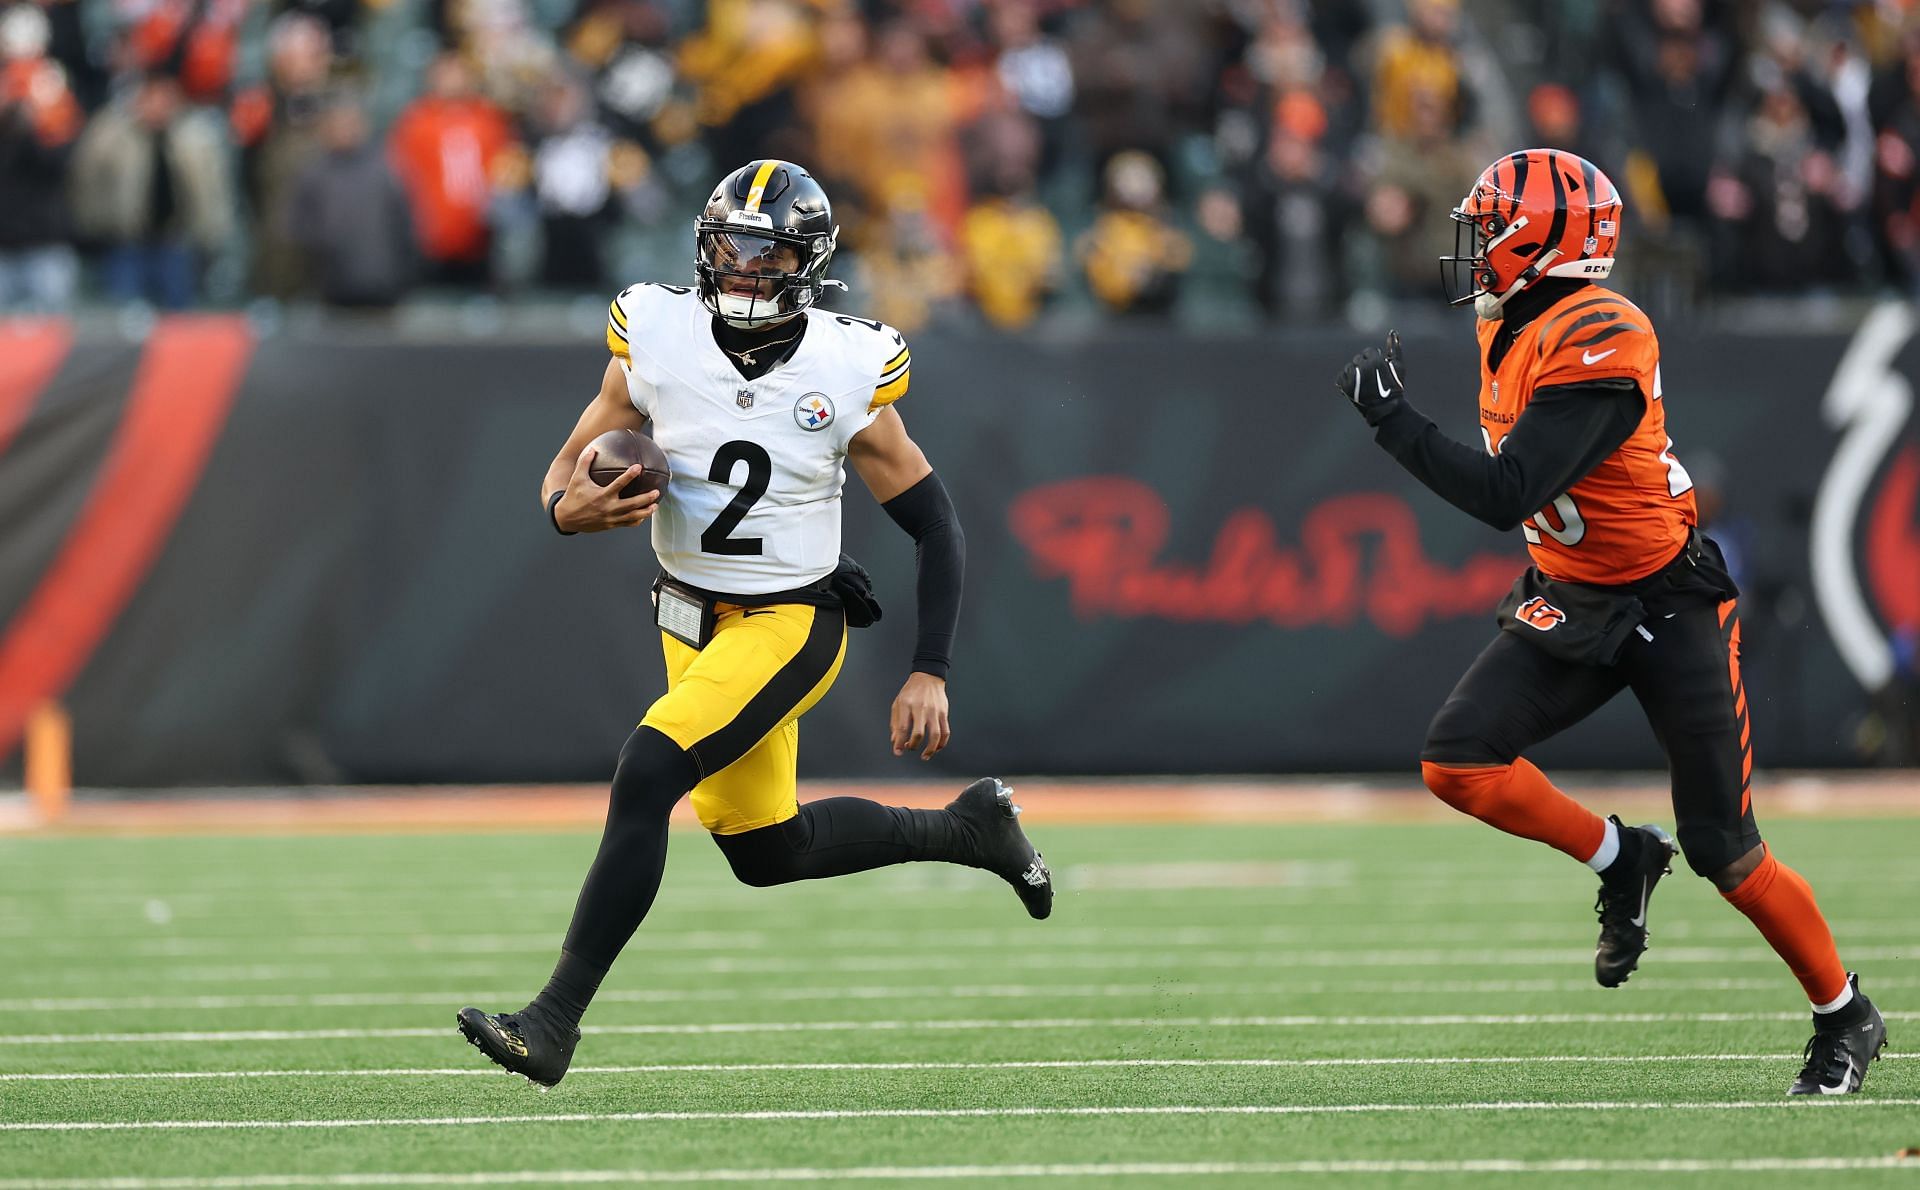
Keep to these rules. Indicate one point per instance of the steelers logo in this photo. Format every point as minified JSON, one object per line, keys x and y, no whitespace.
{"x":813,"y":412}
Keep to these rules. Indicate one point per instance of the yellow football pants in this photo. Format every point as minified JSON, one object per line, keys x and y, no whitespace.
{"x":736,"y":706}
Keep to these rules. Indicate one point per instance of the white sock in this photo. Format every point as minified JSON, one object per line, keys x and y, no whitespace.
{"x":1609,"y":851}
{"x":1838,"y":1002}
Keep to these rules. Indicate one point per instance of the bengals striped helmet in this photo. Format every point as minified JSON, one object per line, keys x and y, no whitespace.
{"x":1533,"y":214}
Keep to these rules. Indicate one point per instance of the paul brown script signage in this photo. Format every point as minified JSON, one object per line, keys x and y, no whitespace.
{"x":1358,"y":557}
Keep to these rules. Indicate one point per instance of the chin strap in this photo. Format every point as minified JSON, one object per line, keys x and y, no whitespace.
{"x":1489,"y":305}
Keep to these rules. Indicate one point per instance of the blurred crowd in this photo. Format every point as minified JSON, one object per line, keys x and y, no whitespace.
{"x":993,"y":161}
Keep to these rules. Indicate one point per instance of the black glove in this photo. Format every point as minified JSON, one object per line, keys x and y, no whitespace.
{"x":1373,"y":381}
{"x":854,"y":586}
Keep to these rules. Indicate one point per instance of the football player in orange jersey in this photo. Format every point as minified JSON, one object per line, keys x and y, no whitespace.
{"x":1625,"y":593}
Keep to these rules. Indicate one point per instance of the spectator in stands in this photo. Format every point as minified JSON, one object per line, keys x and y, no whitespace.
{"x":1417,"y":63}
{"x":1290,"y":115}
{"x":890,"y":114}
{"x":1133,"y":256}
{"x":1896,"y":186}
{"x":1678,"y":71}
{"x":39,"y":121}
{"x":623,"y":47}
{"x":1415,"y":184}
{"x":743,"y":66}
{"x":1140,"y":79}
{"x":150,"y":182}
{"x":1774,"y":201}
{"x":445,"y":148}
{"x":348,"y":213}
{"x":1033,"y":68}
{"x":72,"y":43}
{"x":906,"y":275}
{"x":341,"y":19}
{"x":572,"y":179}
{"x":194,"y":41}
{"x":1436,"y":56}
{"x":1009,"y":243}
{"x":278,"y":125}
{"x":1553,"y":119}
{"x":1291,"y":213}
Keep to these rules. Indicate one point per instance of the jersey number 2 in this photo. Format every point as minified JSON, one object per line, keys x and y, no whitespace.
{"x":718,"y":537}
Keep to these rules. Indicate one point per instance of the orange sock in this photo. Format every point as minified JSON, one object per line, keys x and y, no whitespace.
{"x":1778,"y":901}
{"x":1519,"y":800}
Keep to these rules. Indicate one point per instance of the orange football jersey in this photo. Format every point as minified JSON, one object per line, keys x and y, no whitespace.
{"x":1632,"y":513}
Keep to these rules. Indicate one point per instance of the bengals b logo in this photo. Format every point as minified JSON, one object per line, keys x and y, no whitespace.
{"x":1538,"y":613}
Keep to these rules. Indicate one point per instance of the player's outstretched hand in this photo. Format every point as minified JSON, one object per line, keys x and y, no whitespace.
{"x":1374,"y":380}
{"x":588,"y":507}
{"x":919,"y":718}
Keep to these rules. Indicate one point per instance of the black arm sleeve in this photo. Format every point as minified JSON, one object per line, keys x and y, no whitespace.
{"x":940,"y":555}
{"x":1565,"y":432}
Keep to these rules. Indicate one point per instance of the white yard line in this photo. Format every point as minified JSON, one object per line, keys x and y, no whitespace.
{"x":997,"y":991}
{"x":1132,"y":1169}
{"x":1846,"y":1102}
{"x":988,"y":1024}
{"x":248,"y":935}
{"x":1155,"y":959}
{"x":1050,"y":1064}
{"x":989,"y":991}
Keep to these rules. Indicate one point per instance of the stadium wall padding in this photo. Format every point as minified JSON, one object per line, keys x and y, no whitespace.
{"x":1184,"y":556}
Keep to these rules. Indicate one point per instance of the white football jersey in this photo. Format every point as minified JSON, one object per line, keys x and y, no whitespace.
{"x":754,"y":505}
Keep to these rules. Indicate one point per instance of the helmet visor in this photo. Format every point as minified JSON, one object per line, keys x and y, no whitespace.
{"x":747,"y":265}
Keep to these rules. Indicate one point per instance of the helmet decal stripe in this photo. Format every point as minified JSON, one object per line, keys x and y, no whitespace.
{"x":1519,"y":184}
{"x":759,"y":187}
{"x":1590,"y":175}
{"x":1559,"y":226}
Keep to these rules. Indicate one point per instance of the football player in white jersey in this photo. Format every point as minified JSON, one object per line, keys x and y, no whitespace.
{"x":759,"y":398}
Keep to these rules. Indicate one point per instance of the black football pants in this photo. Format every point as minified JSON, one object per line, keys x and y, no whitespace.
{"x":1687,"y":680}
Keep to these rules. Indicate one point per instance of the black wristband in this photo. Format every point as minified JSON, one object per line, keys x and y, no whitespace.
{"x":553,"y":502}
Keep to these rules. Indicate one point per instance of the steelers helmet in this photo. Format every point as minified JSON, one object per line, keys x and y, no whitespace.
{"x":762,"y":244}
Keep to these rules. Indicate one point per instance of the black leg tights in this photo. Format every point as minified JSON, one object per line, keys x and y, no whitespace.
{"x":838,"y":835}
{"x":653,"y":774}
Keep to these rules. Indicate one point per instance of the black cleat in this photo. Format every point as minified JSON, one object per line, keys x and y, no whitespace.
{"x":530,"y":1042}
{"x":1001,"y":847}
{"x":1625,"y":890}
{"x":1838,"y":1053}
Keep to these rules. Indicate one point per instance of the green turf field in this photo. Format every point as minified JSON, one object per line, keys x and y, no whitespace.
{"x":1342,"y":1005}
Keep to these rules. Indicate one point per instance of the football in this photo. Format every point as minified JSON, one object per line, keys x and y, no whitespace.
{"x":620,"y":449}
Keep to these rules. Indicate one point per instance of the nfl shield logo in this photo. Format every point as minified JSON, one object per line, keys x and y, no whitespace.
{"x":744,"y":398}
{"x":1496,"y":392}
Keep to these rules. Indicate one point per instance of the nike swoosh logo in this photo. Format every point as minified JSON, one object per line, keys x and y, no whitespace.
{"x":1646,"y":893}
{"x":1588,"y":357}
{"x":1382,"y":382}
{"x":1846,"y":1081}
{"x":762,"y":612}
